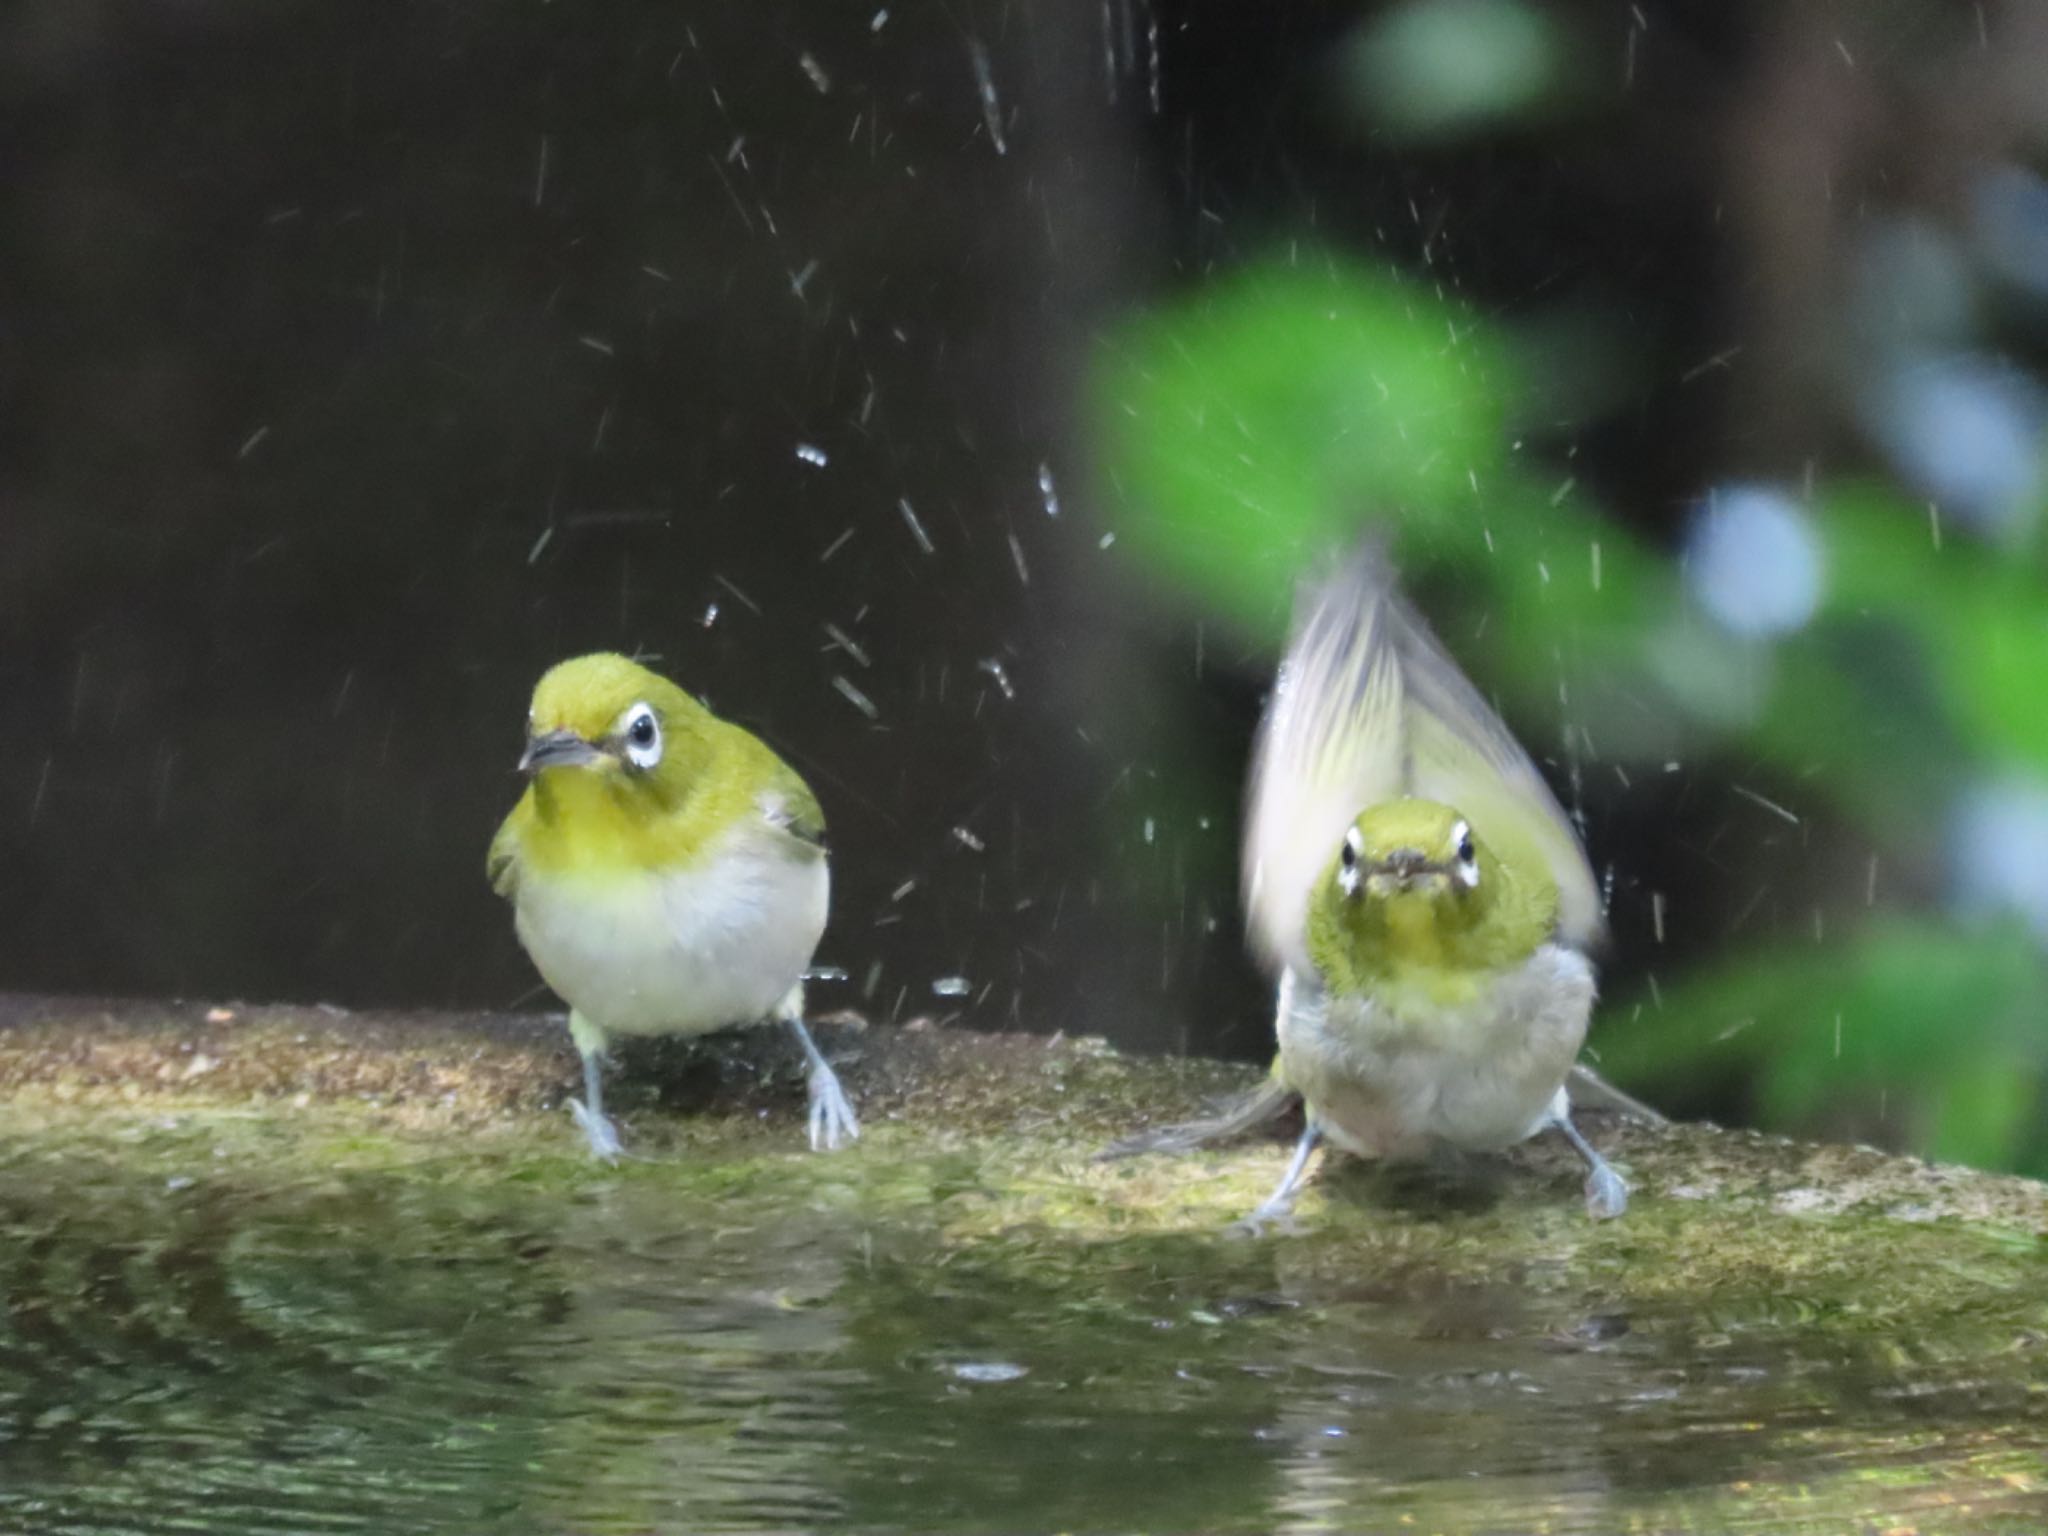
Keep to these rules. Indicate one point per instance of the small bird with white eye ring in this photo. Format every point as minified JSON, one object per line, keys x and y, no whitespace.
{"x":1426,"y":901}
{"x":1423,"y":900}
{"x":667,"y":873}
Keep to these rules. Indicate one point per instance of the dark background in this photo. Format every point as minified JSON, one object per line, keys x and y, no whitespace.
{"x":357,"y":361}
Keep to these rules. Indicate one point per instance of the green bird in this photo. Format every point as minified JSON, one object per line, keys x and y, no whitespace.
{"x":1423,"y":899}
{"x":667,"y":874}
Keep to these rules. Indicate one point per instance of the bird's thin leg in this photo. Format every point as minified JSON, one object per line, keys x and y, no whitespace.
{"x":589,"y":1110}
{"x":1606,"y":1190}
{"x":1281,"y":1201}
{"x":831,"y":1118}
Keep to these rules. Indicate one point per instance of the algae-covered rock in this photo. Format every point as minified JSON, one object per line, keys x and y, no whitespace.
{"x":281,"y":1269}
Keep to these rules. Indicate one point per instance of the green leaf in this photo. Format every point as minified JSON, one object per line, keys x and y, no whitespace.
{"x":1262,"y":424}
{"x":1942,"y":1019}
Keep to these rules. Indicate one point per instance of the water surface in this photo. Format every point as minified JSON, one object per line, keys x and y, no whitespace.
{"x":229,"y":1324}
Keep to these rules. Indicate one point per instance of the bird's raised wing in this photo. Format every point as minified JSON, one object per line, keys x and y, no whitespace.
{"x":1369,"y":707}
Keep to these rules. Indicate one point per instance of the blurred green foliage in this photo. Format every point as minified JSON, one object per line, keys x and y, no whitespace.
{"x":1947,"y":1018}
{"x":1255,"y":427}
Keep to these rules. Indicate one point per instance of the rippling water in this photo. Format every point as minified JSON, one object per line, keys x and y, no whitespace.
{"x":239,"y":1349}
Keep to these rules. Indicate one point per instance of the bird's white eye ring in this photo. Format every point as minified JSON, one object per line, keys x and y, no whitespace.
{"x":641,"y":732}
{"x":1468,"y":857}
{"x":1347,"y":863}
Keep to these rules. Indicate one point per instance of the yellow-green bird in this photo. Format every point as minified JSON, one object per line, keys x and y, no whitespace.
{"x":1423,"y":899}
{"x":667,"y":874}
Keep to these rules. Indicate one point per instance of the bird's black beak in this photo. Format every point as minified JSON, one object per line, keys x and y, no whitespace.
{"x":1405,"y":864}
{"x":557,"y":749}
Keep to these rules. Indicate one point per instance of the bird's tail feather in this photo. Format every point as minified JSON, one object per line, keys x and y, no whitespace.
{"x":1589,"y":1090}
{"x":1247,"y":1112}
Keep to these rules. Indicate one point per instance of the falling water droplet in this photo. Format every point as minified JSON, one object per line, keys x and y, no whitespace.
{"x":1047,"y":491}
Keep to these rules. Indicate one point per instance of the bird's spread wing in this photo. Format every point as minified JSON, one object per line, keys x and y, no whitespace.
{"x":1369,"y":707}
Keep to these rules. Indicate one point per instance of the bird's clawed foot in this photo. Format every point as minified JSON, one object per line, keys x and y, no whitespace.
{"x":1274,"y":1216}
{"x":1606,"y":1192}
{"x":600,"y":1132}
{"x":832,"y":1122}
{"x":1276,"y":1211}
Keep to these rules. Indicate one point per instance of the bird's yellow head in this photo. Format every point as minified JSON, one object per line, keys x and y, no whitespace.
{"x":631,"y":773}
{"x":1413,"y":888}
{"x":610,"y":718}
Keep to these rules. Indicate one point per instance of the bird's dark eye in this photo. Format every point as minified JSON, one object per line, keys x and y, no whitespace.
{"x":643,"y":736}
{"x":1465,"y":848}
{"x":1349,"y":855}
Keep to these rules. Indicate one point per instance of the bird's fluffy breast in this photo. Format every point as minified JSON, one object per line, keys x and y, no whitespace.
{"x":679,"y":951}
{"x":1387,"y":1079}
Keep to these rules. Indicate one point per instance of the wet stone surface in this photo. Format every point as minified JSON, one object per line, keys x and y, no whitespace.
{"x":293,"y":1270}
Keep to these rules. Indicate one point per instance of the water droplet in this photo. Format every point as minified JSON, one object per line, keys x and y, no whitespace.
{"x":985,"y":87}
{"x":1047,"y":491}
{"x":994,"y":669}
{"x":988,"y":1371}
{"x":924,"y":540}
{"x":855,"y":697}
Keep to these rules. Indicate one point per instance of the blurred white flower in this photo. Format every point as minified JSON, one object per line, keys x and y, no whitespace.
{"x":1967,"y":428}
{"x":1998,"y":850}
{"x":1753,"y":561}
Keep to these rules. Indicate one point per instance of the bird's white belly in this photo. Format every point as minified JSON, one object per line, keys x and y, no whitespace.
{"x":646,"y":953}
{"x":1481,"y":1075}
